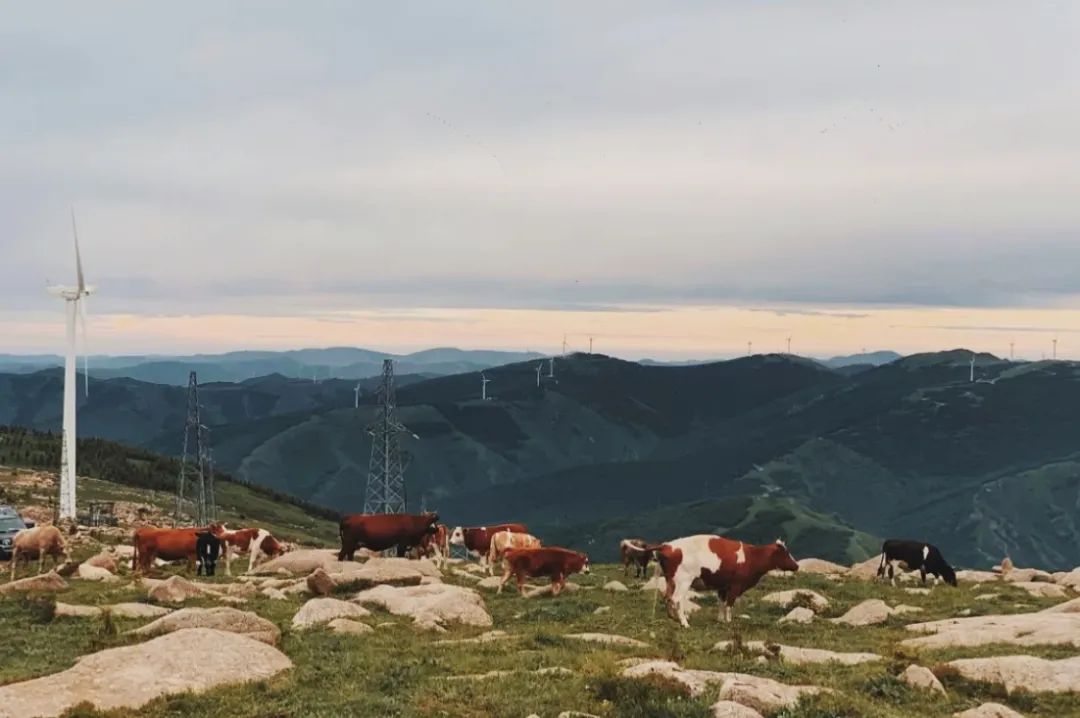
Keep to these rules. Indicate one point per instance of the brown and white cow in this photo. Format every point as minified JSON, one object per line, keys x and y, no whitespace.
{"x":38,"y":542}
{"x":634,"y":552}
{"x":167,"y":544}
{"x":436,"y":545}
{"x":257,"y":543}
{"x":728,"y":567}
{"x":555,"y":563}
{"x":505,"y":541}
{"x":379,"y":532}
{"x":477,"y":539}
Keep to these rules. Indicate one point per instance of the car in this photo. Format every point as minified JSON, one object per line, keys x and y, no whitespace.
{"x":11,"y":523}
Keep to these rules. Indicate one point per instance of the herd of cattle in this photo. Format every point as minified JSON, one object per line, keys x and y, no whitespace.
{"x":706,"y":562}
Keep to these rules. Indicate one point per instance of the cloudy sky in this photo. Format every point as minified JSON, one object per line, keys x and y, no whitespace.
{"x":676,"y":179}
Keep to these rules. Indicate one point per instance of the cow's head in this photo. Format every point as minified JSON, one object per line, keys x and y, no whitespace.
{"x":948,"y":575}
{"x":584,"y":562}
{"x":432,"y":519}
{"x":457,"y":536}
{"x":781,"y":558}
{"x":271,"y":546}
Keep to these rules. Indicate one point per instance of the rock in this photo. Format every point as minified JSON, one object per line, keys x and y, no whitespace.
{"x":616,"y":586}
{"x":763,"y":694}
{"x":131,"y":676}
{"x":430,"y":606}
{"x":175,"y":589}
{"x":320,"y":583}
{"x":801,"y":656}
{"x":989,"y":710}
{"x":656,"y":583}
{"x":788,"y":599}
{"x":902,"y":609}
{"x":987,"y":596}
{"x":219,"y":618}
{"x":568,"y":587}
{"x":865,"y":570}
{"x":1028,"y":673}
{"x":465,"y":574}
{"x":1021,"y":629}
{"x":303,"y":561}
{"x":977,"y":576}
{"x":349,"y":627}
{"x":800,"y":614}
{"x":50,"y":581}
{"x":731,"y":709}
{"x":323,"y":610}
{"x":695,"y":681}
{"x":868,"y":613}
{"x":1072,"y":606}
{"x":104,"y":560}
{"x":922,"y":678}
{"x":817,"y":565}
{"x":552,"y":671}
{"x":274,"y":594}
{"x":576,"y":714}
{"x":137,"y":610}
{"x":1025,"y":575}
{"x":601,"y":609}
{"x":295,"y":588}
{"x":607,"y":638}
{"x":918,"y":591}
{"x":486,"y":637}
{"x":1070,"y":579}
{"x":490,"y":582}
{"x":75,"y":611}
{"x":1041,"y":589}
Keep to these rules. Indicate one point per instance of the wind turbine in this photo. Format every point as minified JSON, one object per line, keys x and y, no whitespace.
{"x":74,"y":308}
{"x":789,"y":345}
{"x":973,"y":368}
{"x":564,"y":345}
{"x":749,"y":348}
{"x":539,"y":368}
{"x":356,"y":399}
{"x":551,"y":368}
{"x":483,"y":386}
{"x":1011,"y":346}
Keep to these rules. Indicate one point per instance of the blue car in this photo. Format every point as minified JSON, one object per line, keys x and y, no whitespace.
{"x":10,"y":524}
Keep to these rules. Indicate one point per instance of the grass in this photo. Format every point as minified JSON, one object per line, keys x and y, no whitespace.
{"x":397,"y":671}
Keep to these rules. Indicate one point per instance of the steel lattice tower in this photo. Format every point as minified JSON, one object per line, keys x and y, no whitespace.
{"x":386,"y":480}
{"x":195,"y":484}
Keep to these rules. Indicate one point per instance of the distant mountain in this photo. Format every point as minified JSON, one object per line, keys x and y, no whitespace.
{"x":862,"y":359}
{"x":911,"y":448}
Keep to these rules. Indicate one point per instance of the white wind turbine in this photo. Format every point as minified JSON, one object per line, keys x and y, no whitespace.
{"x":75,"y":308}
{"x":484,"y":381}
{"x":356,"y":398}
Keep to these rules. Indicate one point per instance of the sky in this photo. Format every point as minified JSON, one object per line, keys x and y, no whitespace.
{"x":676,"y":180}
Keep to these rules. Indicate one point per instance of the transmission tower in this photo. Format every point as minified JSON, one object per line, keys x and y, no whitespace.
{"x":386,"y":480}
{"x":195,"y":485}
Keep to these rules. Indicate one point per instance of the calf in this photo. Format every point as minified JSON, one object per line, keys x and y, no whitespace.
{"x":207,"y":548}
{"x":915,"y":556}
{"x":477,"y":539}
{"x":729,"y":567}
{"x":40,"y":541}
{"x":556,"y":563}
{"x":505,"y":541}
{"x":634,"y":552}
{"x":257,"y":543}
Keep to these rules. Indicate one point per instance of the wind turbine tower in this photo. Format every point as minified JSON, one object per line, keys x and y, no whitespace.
{"x":75,"y":308}
{"x":749,"y":349}
{"x":483,"y":386}
{"x":789,"y":345}
{"x":356,"y":397}
{"x":539,"y":368}
{"x":590,"y":345}
{"x":551,"y":368}
{"x":972,"y":379}
{"x":564,"y":345}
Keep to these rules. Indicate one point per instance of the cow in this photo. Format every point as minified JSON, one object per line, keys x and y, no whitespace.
{"x":632,"y":552}
{"x":556,"y":563}
{"x":179,"y":544}
{"x":257,"y":543}
{"x":724,"y":565}
{"x":477,"y":540}
{"x":379,"y":532}
{"x":436,"y":545}
{"x":39,"y":542}
{"x":505,"y":541}
{"x":915,"y":556}
{"x":207,"y":548}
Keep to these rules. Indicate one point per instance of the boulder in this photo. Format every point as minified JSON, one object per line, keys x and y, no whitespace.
{"x":323,"y":610}
{"x":1070,"y":579}
{"x":466,"y":575}
{"x":977,"y":576}
{"x":490,"y":582}
{"x":1025,"y":575}
{"x":50,"y":581}
{"x":901,"y":609}
{"x":1072,"y":606}
{"x":1040,"y":589}
{"x":800,"y":614}
{"x":129,"y":677}
{"x":865,"y":570}
{"x":922,"y":678}
{"x":989,"y":710}
{"x":788,"y":599}
{"x":576,"y":714}
{"x":94,"y":573}
{"x":731,"y":709}
{"x":105,"y":560}
{"x":76,"y":611}
{"x":137,"y":610}
{"x":868,"y":613}
{"x":219,"y":618}
{"x":302,"y":561}
{"x":486,"y":637}
{"x":616,"y":586}
{"x":346,"y":626}
{"x":656,"y":583}
{"x":319,"y":582}
{"x":987,"y":596}
{"x":918,"y":591}
{"x":430,"y":606}
{"x":274,"y":594}
{"x":817,"y":565}
{"x":763,"y":694}
{"x":175,"y":589}
{"x":607,"y":638}
{"x":1028,"y":673}
{"x":1021,"y":629}
{"x":695,"y":681}
{"x":801,"y":656}
{"x":568,"y":587}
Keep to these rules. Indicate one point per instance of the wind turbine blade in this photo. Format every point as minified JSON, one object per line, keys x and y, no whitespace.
{"x":78,"y":260}
{"x":86,"y":355}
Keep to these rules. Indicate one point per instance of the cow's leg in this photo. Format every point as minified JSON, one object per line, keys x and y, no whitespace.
{"x":14,"y":560}
{"x":519,"y":576}
{"x":678,"y":598}
{"x":228,"y":555}
{"x":557,"y":583}
{"x":505,"y":578}
{"x":253,"y":554}
{"x":922,"y":574}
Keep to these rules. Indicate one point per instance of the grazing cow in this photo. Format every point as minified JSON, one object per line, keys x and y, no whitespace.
{"x":151,"y":542}
{"x":477,"y":540}
{"x":505,"y":541}
{"x":207,"y":548}
{"x":39,"y":542}
{"x":257,"y":543}
{"x":633,"y":552}
{"x":436,"y":545}
{"x":915,"y":556}
{"x":729,"y":567}
{"x":556,"y":563}
{"x":379,"y":532}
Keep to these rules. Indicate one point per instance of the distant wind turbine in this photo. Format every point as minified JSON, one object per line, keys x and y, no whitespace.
{"x":551,"y":368}
{"x":789,"y":345}
{"x":484,"y":381}
{"x":539,"y":368}
{"x":356,"y":399}
{"x":973,"y":368}
{"x":1011,"y":345}
{"x":75,"y":308}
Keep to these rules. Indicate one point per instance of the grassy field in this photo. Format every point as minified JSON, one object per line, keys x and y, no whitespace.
{"x":398,"y":671}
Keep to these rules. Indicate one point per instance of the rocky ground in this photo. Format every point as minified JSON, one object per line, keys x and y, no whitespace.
{"x":310,"y":636}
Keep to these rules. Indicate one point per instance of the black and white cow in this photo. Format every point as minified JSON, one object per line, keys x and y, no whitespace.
{"x":915,"y":556}
{"x":207,"y":549}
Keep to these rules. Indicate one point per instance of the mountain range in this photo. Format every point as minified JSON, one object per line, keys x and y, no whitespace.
{"x":601,"y":448}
